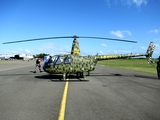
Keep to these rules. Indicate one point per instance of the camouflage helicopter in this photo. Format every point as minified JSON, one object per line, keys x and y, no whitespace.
{"x":74,"y":63}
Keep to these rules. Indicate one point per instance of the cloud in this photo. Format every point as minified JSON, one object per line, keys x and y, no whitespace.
{"x":157,"y":48}
{"x":127,"y":32}
{"x":138,"y":3}
{"x":47,"y":46}
{"x":17,"y":51}
{"x":115,"y":52}
{"x":117,"y":33}
{"x":143,"y":48}
{"x":14,"y":52}
{"x":20,"y":49}
{"x":10,"y":52}
{"x":28,"y":51}
{"x":53,"y":49}
{"x":104,"y":45}
{"x":123,"y":51}
{"x":120,"y":34}
{"x":101,"y":52}
{"x":157,"y":39}
{"x":108,"y":2}
{"x":154,"y":31}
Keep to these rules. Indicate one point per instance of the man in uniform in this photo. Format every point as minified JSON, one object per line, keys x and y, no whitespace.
{"x":158,"y":68}
{"x":38,"y":65}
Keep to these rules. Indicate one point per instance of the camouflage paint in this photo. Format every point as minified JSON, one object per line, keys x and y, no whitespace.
{"x":81,"y":64}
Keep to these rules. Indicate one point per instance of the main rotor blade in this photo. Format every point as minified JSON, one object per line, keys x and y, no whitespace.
{"x":109,"y":39}
{"x":69,"y":37}
{"x":38,"y":39}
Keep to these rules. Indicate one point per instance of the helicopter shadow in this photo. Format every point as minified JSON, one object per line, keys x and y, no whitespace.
{"x":33,"y":71}
{"x":98,"y":74}
{"x":59,"y":78}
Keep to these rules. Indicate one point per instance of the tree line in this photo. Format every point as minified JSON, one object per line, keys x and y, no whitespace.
{"x":41,"y":55}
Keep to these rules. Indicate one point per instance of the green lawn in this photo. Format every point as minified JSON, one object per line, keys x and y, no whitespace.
{"x":131,"y":64}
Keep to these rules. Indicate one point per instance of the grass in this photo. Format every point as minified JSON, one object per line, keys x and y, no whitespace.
{"x":139,"y":65}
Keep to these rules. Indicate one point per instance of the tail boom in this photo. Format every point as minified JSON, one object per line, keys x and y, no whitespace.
{"x":148,"y":54}
{"x":107,"y":57}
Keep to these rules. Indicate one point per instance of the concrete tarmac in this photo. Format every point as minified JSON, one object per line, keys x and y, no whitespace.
{"x":107,"y":94}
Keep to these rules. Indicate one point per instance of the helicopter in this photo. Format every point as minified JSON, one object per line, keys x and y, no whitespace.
{"x":74,"y":63}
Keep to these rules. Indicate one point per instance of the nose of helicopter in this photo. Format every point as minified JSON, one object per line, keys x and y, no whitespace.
{"x":47,"y":64}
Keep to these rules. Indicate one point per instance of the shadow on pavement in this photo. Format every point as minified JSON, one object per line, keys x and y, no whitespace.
{"x":59,"y":78}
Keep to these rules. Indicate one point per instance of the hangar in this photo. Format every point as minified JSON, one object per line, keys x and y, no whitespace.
{"x":16,"y":57}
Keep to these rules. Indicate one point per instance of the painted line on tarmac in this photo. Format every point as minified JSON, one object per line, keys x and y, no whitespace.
{"x":63,"y":102}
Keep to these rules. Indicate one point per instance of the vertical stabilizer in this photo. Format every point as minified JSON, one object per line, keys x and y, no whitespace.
{"x":150,"y":51}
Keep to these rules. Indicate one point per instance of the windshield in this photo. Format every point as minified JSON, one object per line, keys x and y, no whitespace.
{"x":68,"y":60}
{"x":51,"y":59}
{"x":56,"y":59}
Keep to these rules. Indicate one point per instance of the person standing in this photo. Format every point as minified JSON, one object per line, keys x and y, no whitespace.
{"x":38,"y":65}
{"x":158,"y":68}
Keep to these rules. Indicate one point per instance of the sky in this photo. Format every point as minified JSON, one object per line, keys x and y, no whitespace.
{"x":137,"y":20}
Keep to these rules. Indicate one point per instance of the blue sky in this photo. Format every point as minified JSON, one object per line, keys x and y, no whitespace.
{"x":137,"y":20}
